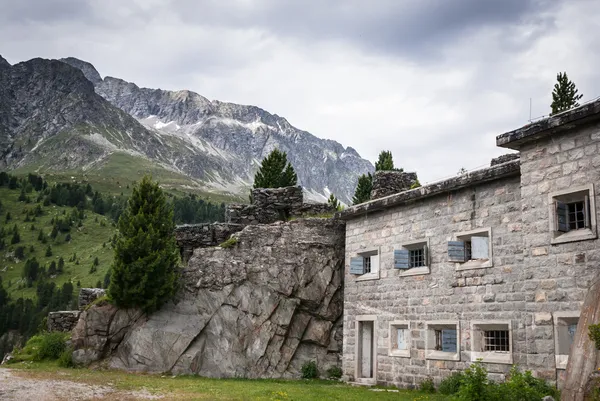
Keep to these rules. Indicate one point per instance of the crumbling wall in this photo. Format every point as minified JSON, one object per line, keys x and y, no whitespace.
{"x":89,"y":295}
{"x":391,"y":182}
{"x":62,"y":320}
{"x":274,"y":204}
{"x":194,"y":236}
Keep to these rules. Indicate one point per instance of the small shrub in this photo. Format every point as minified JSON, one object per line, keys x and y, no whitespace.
{"x":451,"y":384}
{"x":475,"y":384}
{"x":427,"y":386}
{"x":334,"y":372}
{"x":309,"y":370}
{"x":594,"y":334}
{"x":65,"y":360}
{"x":229,"y":243}
{"x":52,"y":345}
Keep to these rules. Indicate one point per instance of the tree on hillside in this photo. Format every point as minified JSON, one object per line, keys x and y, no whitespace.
{"x":363,"y":189}
{"x":564,"y":95}
{"x":275,"y":172}
{"x":144,"y":271}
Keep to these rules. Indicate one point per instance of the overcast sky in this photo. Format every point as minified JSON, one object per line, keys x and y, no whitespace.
{"x":434,"y":81}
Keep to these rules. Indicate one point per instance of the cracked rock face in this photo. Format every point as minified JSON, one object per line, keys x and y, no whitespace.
{"x":258,"y":309}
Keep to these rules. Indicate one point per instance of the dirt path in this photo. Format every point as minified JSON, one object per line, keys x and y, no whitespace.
{"x":15,"y":387}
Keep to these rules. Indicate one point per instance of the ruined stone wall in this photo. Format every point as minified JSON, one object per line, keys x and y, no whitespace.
{"x":391,"y":182}
{"x":193,"y":236}
{"x":63,"y":320}
{"x":89,"y":295}
{"x":274,"y":204}
{"x":445,"y":293}
{"x":260,"y":308}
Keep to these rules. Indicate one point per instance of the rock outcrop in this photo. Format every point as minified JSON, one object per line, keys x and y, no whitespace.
{"x":260,"y":308}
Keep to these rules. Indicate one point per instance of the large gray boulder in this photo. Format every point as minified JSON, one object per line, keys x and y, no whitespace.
{"x":260,"y":308}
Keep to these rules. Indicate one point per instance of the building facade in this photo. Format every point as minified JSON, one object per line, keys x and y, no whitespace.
{"x":491,"y":265}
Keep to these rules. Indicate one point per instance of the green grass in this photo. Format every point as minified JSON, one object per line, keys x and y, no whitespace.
{"x":86,"y":242}
{"x":199,"y":388}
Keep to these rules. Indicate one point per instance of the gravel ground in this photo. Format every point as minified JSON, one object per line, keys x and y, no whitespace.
{"x":15,"y":387}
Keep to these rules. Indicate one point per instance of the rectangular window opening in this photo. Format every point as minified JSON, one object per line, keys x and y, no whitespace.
{"x":417,"y":257}
{"x":367,"y":264}
{"x":576,"y":215}
{"x":445,"y":340}
{"x":496,"y":340}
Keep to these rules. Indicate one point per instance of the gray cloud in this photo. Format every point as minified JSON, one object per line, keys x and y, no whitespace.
{"x":432,"y":80}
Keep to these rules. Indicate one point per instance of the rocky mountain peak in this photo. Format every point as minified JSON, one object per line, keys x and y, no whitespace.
{"x":88,"y":69}
{"x":3,"y":62}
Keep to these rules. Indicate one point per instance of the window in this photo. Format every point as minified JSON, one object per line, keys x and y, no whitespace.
{"x":565,"y":327}
{"x":442,"y":340}
{"x":399,"y":339}
{"x":471,"y":249}
{"x":365,"y":265}
{"x":572,"y":214}
{"x":491,"y":341}
{"x":412,"y":258}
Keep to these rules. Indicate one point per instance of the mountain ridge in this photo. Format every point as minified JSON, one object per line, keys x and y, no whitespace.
{"x":218,"y":145}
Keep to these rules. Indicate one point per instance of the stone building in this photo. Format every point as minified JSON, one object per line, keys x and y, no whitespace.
{"x":491,"y":265}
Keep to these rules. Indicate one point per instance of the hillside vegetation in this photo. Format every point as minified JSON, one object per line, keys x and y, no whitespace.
{"x":58,"y":237}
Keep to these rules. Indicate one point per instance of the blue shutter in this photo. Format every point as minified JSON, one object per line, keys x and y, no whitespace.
{"x":562,"y":216}
{"x":357,"y":265}
{"x":449,"y":340}
{"x":401,"y":259}
{"x":456,"y":251}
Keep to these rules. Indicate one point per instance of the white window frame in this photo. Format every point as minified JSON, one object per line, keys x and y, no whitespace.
{"x":478,"y":327}
{"x":394,"y":326}
{"x":375,"y":267}
{"x":417,"y":271}
{"x":475,"y":264}
{"x":561,"y":320}
{"x":572,"y":195}
{"x":430,"y":351}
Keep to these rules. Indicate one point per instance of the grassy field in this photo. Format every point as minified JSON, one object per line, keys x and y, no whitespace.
{"x":199,"y":388}
{"x":90,"y":241}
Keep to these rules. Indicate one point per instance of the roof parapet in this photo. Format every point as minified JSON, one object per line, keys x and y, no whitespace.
{"x":566,"y":120}
{"x":510,"y":168}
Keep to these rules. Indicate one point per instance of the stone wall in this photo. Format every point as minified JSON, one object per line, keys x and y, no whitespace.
{"x":260,"y":308}
{"x":444,"y":293}
{"x":194,"y":236}
{"x":274,"y":204}
{"x":391,"y":182}
{"x":504,"y":158}
{"x":560,"y":273}
{"x":63,"y":320}
{"x":89,"y":295}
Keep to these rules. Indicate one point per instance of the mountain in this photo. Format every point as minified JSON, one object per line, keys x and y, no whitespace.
{"x":48,"y":106}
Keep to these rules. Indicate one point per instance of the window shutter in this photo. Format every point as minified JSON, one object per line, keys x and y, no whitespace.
{"x":449,"y":340}
{"x":401,"y":259}
{"x":357,"y":265}
{"x":425,"y":255}
{"x":456,"y":251}
{"x":479,"y":247}
{"x":562,"y":216}
{"x":586,"y":212}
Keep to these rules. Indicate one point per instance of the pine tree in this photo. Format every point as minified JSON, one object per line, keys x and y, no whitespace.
{"x":385,"y":161}
{"x":564,"y":95}
{"x":334,"y":202}
{"x":363,"y":189}
{"x":144,"y":271}
{"x":275,"y":172}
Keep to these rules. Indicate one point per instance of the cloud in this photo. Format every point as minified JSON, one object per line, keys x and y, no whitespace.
{"x":433,"y":81}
